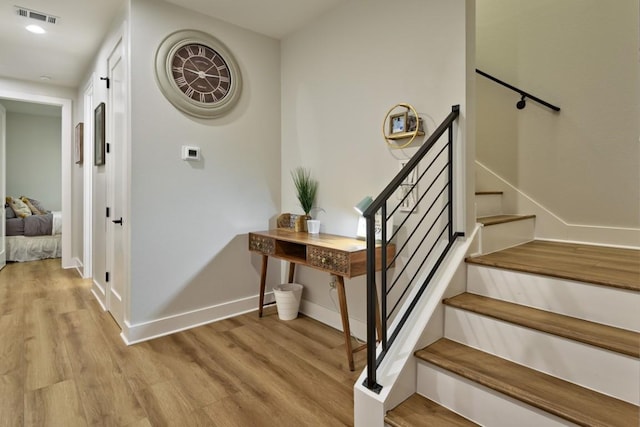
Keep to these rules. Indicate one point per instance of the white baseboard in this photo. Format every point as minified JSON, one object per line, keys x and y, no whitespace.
{"x":144,"y":331}
{"x":98,"y":291}
{"x":549,"y":226}
{"x":333,"y":319}
{"x":79,"y":266}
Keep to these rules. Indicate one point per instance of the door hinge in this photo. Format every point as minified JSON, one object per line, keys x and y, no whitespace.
{"x":105,"y":79}
{"x":108,"y":147}
{"x":106,"y":276}
{"x":108,"y":212}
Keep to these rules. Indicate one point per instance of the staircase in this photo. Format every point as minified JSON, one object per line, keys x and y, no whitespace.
{"x":499,"y":230}
{"x":547,"y":334}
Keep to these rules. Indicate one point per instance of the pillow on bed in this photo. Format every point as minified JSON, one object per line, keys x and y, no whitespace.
{"x":34,"y":204}
{"x":8,"y":212}
{"x":34,"y":210}
{"x":19,"y":207}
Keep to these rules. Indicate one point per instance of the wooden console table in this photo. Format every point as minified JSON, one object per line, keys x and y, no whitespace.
{"x":339,"y":255}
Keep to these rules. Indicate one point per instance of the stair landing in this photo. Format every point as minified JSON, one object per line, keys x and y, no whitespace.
{"x":616,"y":267}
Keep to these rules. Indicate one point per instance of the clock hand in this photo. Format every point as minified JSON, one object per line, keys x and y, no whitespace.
{"x":200,"y":74}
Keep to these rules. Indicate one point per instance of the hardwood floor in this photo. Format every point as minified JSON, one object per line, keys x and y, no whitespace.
{"x":62,"y":363}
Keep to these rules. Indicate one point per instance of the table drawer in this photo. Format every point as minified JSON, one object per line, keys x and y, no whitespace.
{"x":265,"y":245}
{"x":328,"y":259}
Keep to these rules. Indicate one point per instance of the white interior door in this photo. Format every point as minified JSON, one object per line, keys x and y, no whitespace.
{"x":3,"y":188}
{"x":116,"y":181}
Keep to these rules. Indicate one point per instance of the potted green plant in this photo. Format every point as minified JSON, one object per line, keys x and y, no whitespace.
{"x":306,"y":189}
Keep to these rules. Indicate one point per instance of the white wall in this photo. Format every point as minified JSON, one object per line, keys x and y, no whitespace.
{"x":340,"y":75}
{"x":33,"y":158}
{"x":189,"y":221}
{"x":582,"y":164}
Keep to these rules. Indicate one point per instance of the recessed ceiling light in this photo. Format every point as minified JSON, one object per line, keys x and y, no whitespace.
{"x":35,"y":29}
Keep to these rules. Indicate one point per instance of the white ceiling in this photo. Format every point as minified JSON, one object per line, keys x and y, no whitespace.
{"x":65,"y":51}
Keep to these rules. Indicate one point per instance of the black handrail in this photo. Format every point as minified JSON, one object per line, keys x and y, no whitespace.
{"x":521,"y":103}
{"x":379,"y":205}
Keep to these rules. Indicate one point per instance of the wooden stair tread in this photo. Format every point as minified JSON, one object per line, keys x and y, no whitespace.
{"x":599,"y":265}
{"x":608,"y":337}
{"x":566,"y":400}
{"x":418,"y":411}
{"x":501,"y":219}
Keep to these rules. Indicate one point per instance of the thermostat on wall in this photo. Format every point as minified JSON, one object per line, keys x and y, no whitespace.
{"x":190,"y":153}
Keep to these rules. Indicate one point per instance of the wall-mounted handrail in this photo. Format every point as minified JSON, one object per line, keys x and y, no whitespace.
{"x":521,"y":104}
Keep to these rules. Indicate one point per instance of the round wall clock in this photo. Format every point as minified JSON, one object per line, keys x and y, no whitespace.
{"x":197,"y":73}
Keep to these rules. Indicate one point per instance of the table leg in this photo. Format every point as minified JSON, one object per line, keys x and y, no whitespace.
{"x":263,"y":281}
{"x":292,"y":270}
{"x":342,"y":297}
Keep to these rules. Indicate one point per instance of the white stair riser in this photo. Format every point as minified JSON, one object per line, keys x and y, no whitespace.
{"x":506,"y":235}
{"x":592,"y":367}
{"x":488,"y":204}
{"x":478,"y":403}
{"x":601,"y":304}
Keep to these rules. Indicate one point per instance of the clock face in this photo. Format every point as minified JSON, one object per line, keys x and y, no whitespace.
{"x":201,"y":73}
{"x":197,"y":73}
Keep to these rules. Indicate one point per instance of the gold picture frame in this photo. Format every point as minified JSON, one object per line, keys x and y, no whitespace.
{"x":79,"y":143}
{"x":398,"y":123}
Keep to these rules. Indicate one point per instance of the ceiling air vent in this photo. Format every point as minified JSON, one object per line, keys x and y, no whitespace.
{"x":38,"y":16}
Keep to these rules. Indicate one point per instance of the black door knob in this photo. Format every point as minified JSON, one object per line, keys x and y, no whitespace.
{"x":117,"y":221}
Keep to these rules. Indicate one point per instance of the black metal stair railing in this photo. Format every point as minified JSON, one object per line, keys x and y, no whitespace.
{"x":423,"y":238}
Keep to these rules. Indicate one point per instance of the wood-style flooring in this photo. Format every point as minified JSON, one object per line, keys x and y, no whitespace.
{"x":62,"y":363}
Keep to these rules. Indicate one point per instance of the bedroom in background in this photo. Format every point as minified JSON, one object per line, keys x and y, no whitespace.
{"x":32,"y":177}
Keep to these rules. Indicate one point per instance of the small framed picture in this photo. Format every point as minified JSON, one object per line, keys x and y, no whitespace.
{"x":398,"y":123}
{"x":411,"y":124}
{"x":99,"y":134}
{"x":79,"y":143}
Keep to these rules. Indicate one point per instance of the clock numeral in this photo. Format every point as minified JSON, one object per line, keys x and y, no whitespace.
{"x":224,"y":79}
{"x":202,"y":97}
{"x":221,"y":67}
{"x":189,"y":92}
{"x":190,"y":50}
{"x":180,"y":56}
{"x":223,"y":89}
{"x":201,"y":51}
{"x":177,"y":69}
{"x":181,"y":81}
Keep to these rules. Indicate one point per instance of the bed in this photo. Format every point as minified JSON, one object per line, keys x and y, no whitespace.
{"x":31,"y":235}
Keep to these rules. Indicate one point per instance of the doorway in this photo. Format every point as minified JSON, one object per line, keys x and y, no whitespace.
{"x":66,"y":155}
